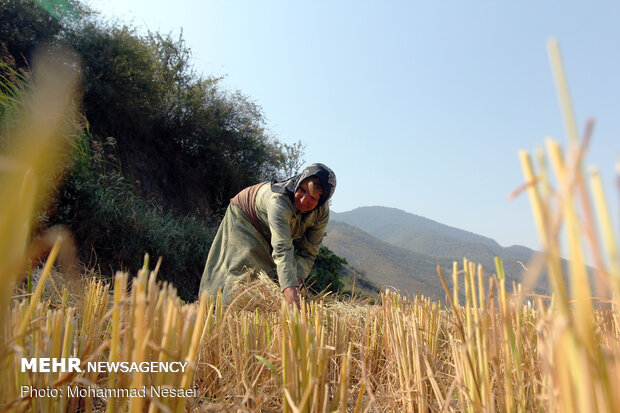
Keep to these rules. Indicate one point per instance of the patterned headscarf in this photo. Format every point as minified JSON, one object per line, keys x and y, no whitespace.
{"x":325,"y":175}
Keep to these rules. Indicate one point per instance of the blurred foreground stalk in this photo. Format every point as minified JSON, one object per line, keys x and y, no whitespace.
{"x":584,"y":374}
{"x":38,"y":130}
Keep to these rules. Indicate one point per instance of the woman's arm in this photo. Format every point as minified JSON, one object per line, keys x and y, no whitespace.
{"x":280,"y":214}
{"x":307,"y":247}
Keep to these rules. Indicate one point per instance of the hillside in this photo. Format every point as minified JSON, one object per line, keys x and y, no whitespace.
{"x":425,"y":236}
{"x":400,"y":228}
{"x":356,"y":282}
{"x":386,"y":265}
{"x":402,"y":250}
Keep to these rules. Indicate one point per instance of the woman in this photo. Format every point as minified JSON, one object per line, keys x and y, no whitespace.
{"x":276,"y":227}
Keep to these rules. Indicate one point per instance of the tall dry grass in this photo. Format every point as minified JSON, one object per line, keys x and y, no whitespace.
{"x":498,"y":350}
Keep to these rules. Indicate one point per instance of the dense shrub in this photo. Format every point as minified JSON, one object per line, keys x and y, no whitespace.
{"x":114,"y":227}
{"x":325,"y":275}
{"x":184,"y":141}
{"x":189,"y":143}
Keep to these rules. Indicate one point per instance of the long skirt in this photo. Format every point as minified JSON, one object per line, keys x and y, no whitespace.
{"x":238,"y":248}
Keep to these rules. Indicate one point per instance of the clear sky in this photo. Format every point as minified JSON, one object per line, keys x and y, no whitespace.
{"x":416,"y":105}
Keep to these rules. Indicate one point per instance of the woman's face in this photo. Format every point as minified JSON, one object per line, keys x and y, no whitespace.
{"x":307,"y":196}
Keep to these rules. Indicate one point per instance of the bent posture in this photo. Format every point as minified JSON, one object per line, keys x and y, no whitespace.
{"x":276,"y":227}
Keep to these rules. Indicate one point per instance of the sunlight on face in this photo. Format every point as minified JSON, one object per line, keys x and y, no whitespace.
{"x":307,"y":195}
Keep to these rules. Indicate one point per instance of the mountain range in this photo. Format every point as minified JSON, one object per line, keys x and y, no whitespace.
{"x":398,"y":249}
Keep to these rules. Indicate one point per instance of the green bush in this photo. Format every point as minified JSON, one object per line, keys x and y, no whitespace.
{"x":114,"y":227}
{"x":191,"y":144}
{"x":325,"y":275}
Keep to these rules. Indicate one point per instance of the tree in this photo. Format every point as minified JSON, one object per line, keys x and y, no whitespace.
{"x":190,"y":144}
{"x":26,"y":24}
{"x":292,"y":158}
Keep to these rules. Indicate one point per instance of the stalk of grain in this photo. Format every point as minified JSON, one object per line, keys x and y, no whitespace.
{"x":305,"y":359}
{"x":191,"y":354}
{"x":120,"y":286}
{"x":581,"y":366}
{"x":140,"y":335}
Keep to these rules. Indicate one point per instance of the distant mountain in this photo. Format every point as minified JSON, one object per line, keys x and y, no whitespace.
{"x":385,"y":264}
{"x":402,"y":249}
{"x":395,"y":225}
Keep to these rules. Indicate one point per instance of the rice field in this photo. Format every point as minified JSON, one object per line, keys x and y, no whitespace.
{"x":501,"y":349}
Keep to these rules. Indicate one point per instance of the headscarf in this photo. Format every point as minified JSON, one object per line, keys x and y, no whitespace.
{"x":325,"y":175}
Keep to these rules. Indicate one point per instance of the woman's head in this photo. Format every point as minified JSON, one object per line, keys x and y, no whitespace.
{"x":308,"y":194}
{"x":323,"y":184}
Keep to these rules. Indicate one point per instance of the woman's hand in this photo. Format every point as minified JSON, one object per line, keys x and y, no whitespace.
{"x":291,"y":295}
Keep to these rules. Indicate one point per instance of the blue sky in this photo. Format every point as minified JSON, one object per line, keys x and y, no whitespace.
{"x":421,"y":106}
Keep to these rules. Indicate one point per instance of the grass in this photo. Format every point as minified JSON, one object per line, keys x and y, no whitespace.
{"x":499,"y":349}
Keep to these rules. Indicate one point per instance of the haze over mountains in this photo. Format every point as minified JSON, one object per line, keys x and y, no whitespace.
{"x":399,"y":249}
